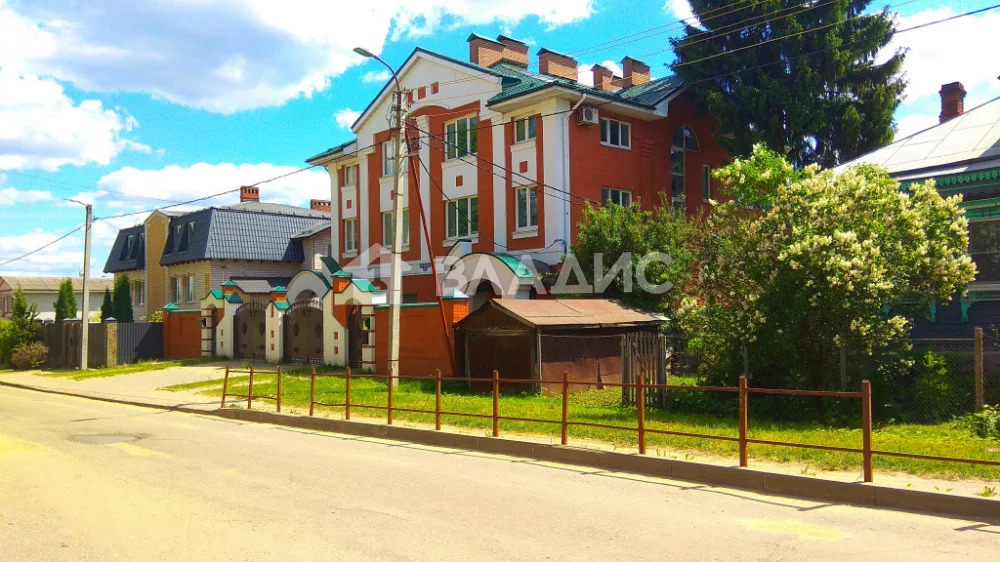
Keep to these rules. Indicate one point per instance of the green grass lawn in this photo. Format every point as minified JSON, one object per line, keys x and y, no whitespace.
{"x":140,"y":367}
{"x":604,"y":406}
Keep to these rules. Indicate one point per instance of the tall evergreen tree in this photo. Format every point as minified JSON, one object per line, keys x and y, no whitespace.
{"x":107,"y":308}
{"x":818,"y":96}
{"x":23,"y":317}
{"x":65,"y":306}
{"x":121,"y":304}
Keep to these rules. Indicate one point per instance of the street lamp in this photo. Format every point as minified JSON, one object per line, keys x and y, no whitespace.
{"x":396,"y":264}
{"x":85,"y":315}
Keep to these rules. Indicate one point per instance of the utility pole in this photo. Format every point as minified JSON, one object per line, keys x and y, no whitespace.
{"x":396,"y":265}
{"x":85,"y":315}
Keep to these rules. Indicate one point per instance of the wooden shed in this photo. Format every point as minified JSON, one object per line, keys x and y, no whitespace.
{"x":539,"y":340}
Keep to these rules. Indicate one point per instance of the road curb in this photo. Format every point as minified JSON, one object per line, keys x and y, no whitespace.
{"x":786,"y":485}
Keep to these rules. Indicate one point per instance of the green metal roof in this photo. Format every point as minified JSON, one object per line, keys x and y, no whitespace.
{"x":365,"y":285}
{"x":454,"y":295}
{"x":279,"y":289}
{"x":233,"y":298}
{"x":515,"y":265}
{"x":229,"y":283}
{"x":217,"y":293}
{"x":171,"y":307}
{"x":281,"y":305}
{"x":331,"y":151}
{"x":334,"y":267}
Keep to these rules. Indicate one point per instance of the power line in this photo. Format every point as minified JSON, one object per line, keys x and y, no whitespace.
{"x":790,"y":35}
{"x":39,"y":249}
{"x":81,"y":186}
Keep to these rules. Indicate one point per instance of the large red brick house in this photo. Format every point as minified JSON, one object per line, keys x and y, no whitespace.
{"x":505,"y":159}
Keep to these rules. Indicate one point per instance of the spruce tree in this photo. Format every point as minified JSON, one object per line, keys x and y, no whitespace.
{"x":23,"y":317}
{"x":121,"y":304}
{"x":817,"y":96}
{"x":107,"y":310}
{"x":65,"y":306}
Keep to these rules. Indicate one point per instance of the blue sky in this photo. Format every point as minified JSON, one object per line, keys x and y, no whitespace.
{"x":130,"y":105}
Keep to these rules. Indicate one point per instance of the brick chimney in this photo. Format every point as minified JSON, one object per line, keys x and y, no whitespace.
{"x":514,"y":51}
{"x":483,"y":51}
{"x":636,"y":72}
{"x":557,"y":64}
{"x":603,"y":78}
{"x":952,"y":101}
{"x":248,"y":193}
{"x":319,"y":205}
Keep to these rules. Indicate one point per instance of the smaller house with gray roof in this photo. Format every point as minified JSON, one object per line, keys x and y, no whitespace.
{"x":43,"y":291}
{"x":178,"y":257}
{"x":962,"y":155}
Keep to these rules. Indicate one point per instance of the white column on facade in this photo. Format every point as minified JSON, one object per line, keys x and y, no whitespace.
{"x":334,"y":212}
{"x":423,"y":124}
{"x":499,"y":186}
{"x":555,"y":114}
{"x":273,"y":323}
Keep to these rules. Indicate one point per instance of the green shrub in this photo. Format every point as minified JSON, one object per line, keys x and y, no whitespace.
{"x":30,"y":356}
{"x":8,"y":340}
{"x":984,"y":423}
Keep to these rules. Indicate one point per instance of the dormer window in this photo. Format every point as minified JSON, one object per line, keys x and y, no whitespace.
{"x":126,"y":250}
{"x":136,"y":246}
{"x":185,"y":233}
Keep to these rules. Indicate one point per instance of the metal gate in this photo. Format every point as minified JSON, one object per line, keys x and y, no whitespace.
{"x":644,"y":354}
{"x":249,"y":324}
{"x":303,"y":332}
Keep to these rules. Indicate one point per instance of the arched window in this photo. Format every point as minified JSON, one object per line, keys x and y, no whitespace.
{"x":683,"y":141}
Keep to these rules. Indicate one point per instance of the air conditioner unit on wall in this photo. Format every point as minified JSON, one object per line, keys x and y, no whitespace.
{"x":587,"y":116}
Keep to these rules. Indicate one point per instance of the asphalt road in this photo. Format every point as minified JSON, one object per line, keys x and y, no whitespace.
{"x":86,"y":480}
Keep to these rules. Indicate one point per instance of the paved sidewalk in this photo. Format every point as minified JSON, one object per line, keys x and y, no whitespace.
{"x":133,"y":387}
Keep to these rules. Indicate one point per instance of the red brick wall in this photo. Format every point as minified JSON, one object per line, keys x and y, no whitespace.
{"x":182,"y":335}
{"x":422,"y":347}
{"x":645,"y":168}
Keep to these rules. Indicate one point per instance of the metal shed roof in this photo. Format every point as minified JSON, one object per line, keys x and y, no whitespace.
{"x":51,"y":284}
{"x":579,"y":313}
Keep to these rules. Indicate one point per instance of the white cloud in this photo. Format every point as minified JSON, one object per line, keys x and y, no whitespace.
{"x":12,"y":196}
{"x":681,"y":9}
{"x":42,"y":128}
{"x":586,"y":76}
{"x":346,"y":117}
{"x":373,"y":76}
{"x":231,"y":55}
{"x":953,"y":51}
{"x":179,"y":183}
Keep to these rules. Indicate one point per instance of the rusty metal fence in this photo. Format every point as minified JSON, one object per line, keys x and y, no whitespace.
{"x":640,"y":388}
{"x":250,"y":396}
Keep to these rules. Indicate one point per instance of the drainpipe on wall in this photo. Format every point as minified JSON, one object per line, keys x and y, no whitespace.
{"x":567,"y":236}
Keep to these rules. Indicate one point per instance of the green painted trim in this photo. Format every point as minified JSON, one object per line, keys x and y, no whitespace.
{"x":409,"y":305}
{"x":967,"y":301}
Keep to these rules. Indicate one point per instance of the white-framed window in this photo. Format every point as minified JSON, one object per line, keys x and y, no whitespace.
{"x":189,"y":286}
{"x":525,"y":129}
{"x":706,"y":182}
{"x":462,"y":217}
{"x":350,"y":175}
{"x":462,"y":137}
{"x":388,"y":158}
{"x":683,"y":141}
{"x":350,"y":235}
{"x":387,"y":228}
{"x":621,"y":197}
{"x":526,"y":201}
{"x":138,"y":293}
{"x":175,"y":289}
{"x":616,"y":133}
